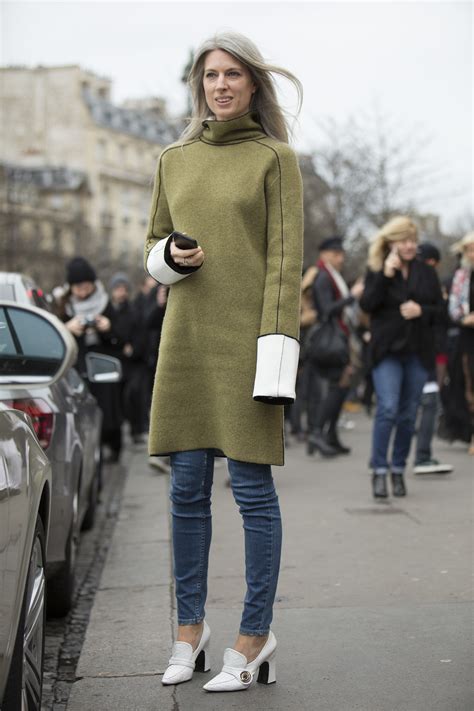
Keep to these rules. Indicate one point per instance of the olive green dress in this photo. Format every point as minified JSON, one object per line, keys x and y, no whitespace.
{"x":239,"y":194}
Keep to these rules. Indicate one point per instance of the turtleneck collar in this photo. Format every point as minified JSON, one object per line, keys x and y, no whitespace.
{"x":242,"y":128}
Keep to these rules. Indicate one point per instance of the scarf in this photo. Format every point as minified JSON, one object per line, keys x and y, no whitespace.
{"x":459,"y":294}
{"x":341,"y":291}
{"x":90,"y":307}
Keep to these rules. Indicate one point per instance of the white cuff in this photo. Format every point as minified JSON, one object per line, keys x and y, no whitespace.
{"x":162,"y":268}
{"x":277,"y":365}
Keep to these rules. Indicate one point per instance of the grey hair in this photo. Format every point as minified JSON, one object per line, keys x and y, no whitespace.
{"x":264,"y":100}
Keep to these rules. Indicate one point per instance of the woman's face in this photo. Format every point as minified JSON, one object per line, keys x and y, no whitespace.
{"x":406,"y":248}
{"x":83,"y":290}
{"x":469,"y":253}
{"x":228,"y":85}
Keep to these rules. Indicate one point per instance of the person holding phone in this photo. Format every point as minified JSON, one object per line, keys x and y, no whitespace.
{"x":226,"y":232}
{"x":403,"y":297}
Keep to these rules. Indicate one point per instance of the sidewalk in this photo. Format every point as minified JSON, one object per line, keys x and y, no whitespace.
{"x":373,"y":612}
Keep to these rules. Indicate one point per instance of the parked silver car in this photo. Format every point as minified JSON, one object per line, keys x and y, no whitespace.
{"x":36,"y":352}
{"x":67,"y":421}
{"x":22,"y":289}
{"x":25,"y":496}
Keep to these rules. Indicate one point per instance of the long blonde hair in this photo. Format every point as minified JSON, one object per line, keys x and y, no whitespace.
{"x":460,"y":248}
{"x":264,"y":100}
{"x":396,"y":229}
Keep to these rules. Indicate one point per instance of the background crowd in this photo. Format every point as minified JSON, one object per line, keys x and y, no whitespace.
{"x":406,"y":346}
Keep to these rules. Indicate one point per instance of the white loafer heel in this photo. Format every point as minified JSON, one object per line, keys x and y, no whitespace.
{"x":184,"y":660}
{"x":237,"y":674}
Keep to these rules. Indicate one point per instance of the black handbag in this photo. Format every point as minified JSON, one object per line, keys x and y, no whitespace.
{"x":326,"y":345}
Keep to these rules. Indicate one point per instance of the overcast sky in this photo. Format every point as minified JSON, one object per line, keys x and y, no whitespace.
{"x":412,"y":59}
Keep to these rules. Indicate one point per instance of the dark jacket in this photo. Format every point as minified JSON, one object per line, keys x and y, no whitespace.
{"x":327,"y":301}
{"x":391,"y":333}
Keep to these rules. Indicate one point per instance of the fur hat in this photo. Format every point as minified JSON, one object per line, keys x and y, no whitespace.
{"x":78,"y":270}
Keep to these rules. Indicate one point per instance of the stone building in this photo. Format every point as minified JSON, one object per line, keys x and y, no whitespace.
{"x":42,"y":220}
{"x":62,"y":119}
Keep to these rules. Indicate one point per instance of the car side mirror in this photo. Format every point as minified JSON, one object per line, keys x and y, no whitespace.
{"x":102,"y":368}
{"x":35,"y":347}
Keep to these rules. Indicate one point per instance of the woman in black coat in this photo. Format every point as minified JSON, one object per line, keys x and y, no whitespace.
{"x":404,"y":300}
{"x":329,"y":386}
{"x":88,"y":314}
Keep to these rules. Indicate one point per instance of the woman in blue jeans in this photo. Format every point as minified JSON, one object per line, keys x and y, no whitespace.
{"x":226,"y":232}
{"x":403,"y":297}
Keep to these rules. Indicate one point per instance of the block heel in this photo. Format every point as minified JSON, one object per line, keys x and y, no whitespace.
{"x":203,"y":661}
{"x":267,"y":671}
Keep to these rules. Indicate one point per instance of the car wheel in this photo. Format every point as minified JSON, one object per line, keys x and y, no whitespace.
{"x":89,"y":517}
{"x":61,"y":585}
{"x":25,"y":680}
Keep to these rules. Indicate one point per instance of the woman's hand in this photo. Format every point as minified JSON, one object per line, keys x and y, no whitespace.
{"x":75,"y":326}
{"x":357,"y":288}
{"x":392,"y":263}
{"x":187,"y":257}
{"x":102,"y":323}
{"x":468,"y":320}
{"x":410,"y":309}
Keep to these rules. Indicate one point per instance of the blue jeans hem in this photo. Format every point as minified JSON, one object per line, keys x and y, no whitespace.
{"x":254,"y":633}
{"x":191,"y":621}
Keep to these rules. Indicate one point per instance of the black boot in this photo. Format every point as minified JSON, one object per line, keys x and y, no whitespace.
{"x":379,"y":486}
{"x":398,"y":485}
{"x":332,"y":438}
{"x":316,"y":440}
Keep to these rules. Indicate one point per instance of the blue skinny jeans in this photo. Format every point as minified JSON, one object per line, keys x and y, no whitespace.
{"x":254,"y":492}
{"x":398,"y":383}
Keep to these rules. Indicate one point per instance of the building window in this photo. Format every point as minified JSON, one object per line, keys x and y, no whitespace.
{"x":101,"y":150}
{"x":56,"y":202}
{"x":122,"y":151}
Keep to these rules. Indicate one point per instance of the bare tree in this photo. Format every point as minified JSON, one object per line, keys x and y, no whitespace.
{"x":374,"y":169}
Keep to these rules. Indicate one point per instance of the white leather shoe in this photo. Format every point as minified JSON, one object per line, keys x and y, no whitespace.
{"x":237,"y":674}
{"x":184,"y":660}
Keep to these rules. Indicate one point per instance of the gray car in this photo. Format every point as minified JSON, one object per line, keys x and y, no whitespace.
{"x":36,"y":352}
{"x":25,"y":496}
{"x":22,"y":289}
{"x":67,"y":421}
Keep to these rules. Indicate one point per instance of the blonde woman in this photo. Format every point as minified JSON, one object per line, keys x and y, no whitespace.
{"x":229,"y":347}
{"x":461,"y":310}
{"x":403,"y":297}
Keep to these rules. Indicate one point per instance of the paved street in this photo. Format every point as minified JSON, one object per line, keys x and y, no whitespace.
{"x":374,"y":611}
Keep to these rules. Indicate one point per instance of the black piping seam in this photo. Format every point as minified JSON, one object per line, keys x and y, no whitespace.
{"x":157,"y":201}
{"x":166,"y":150}
{"x":281,"y":230}
{"x":227,"y":143}
{"x":278,"y":334}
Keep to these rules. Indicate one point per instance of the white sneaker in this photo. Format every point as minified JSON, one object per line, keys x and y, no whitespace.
{"x":432,"y":466}
{"x":184,"y":660}
{"x":237,"y":674}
